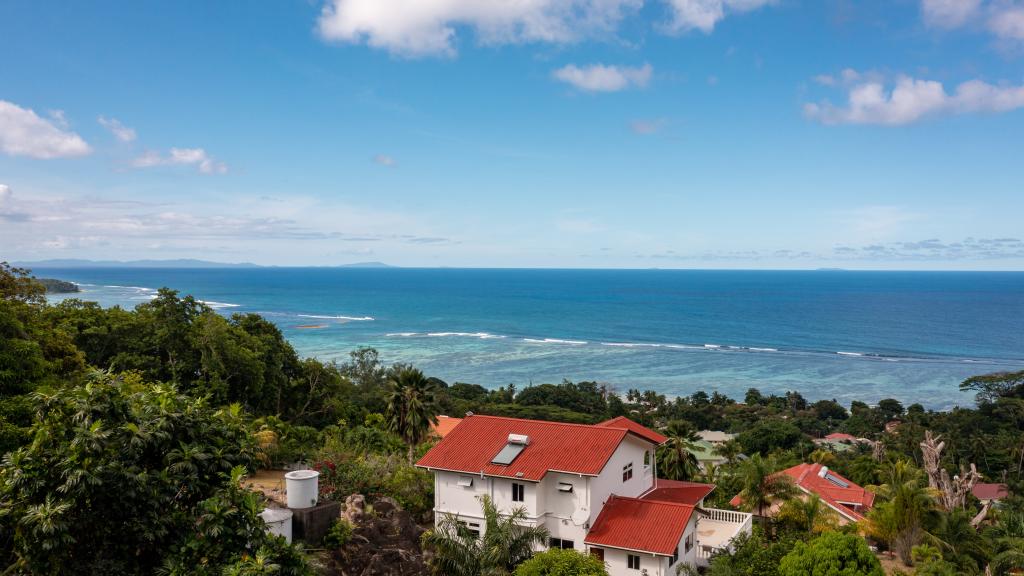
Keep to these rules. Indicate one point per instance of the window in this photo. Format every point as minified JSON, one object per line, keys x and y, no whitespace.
{"x":563,"y":544}
{"x":466,"y":481}
{"x":627,"y":472}
{"x":471,"y":527}
{"x":647,"y":458}
{"x":674,"y":558}
{"x":633,"y":562}
{"x":518,"y":492}
{"x":688,"y":543}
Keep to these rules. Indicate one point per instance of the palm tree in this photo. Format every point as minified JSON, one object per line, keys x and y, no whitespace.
{"x":730,"y":450}
{"x":505,"y":543}
{"x":676,"y":459}
{"x":762,"y":486}
{"x":810,"y":514}
{"x":1007,"y":536}
{"x":961,"y":543}
{"x":411,"y":406}
{"x":908,"y":509}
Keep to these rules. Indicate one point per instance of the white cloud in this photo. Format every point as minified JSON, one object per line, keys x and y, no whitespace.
{"x":119,"y":130}
{"x":24,"y":133}
{"x":385,"y":160}
{"x":1007,"y":22}
{"x":601,"y":78}
{"x":182,"y":157}
{"x":949,"y":13}
{"x":5,"y":193}
{"x":703,"y":15}
{"x":428,"y":27}
{"x":910,"y":100}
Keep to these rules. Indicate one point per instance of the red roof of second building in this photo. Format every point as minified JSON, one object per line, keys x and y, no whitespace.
{"x":806,"y":476}
{"x":643,"y":525}
{"x":638,"y":429}
{"x":575,"y":448}
{"x":985,"y":491}
{"x":842,"y":437}
{"x":690,"y":493}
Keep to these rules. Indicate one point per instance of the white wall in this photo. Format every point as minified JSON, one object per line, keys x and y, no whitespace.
{"x":565,"y":513}
{"x":617,"y":562}
{"x":610,"y":480}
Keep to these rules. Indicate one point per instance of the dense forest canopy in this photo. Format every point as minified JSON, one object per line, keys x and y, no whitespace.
{"x":146,"y":418}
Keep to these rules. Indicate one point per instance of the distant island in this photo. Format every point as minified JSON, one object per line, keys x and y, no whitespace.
{"x":55,"y":286}
{"x":367,"y":265}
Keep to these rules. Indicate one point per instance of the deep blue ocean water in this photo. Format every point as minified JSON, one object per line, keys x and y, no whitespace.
{"x":829,"y":334}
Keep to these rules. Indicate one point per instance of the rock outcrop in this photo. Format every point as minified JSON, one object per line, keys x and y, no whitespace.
{"x":385,"y":541}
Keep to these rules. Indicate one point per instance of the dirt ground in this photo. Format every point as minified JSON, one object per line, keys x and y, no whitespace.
{"x":269,"y":482}
{"x":892,"y":564}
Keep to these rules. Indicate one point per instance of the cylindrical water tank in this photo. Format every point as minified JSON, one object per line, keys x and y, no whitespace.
{"x":303,"y":488}
{"x":279,"y":522}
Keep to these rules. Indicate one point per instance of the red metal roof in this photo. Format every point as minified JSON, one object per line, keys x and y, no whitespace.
{"x":638,"y":429}
{"x":574,"y":448}
{"x":841,"y":499}
{"x":842,"y":437}
{"x":444,"y":425}
{"x":983,"y":491}
{"x":643,"y":525}
{"x":690,"y":493}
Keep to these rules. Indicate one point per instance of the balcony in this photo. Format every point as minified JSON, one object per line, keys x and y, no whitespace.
{"x":715,"y":530}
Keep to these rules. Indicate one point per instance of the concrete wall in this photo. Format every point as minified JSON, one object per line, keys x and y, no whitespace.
{"x":610,"y":480}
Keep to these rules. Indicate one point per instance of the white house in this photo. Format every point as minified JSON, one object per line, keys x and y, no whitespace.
{"x":594,"y":487}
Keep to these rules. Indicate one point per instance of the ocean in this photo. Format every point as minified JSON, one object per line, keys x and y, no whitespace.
{"x":827,"y":334}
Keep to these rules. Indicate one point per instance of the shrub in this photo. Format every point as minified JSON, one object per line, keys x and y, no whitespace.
{"x":557,"y":562}
{"x":831,"y":554}
{"x":339,"y":534}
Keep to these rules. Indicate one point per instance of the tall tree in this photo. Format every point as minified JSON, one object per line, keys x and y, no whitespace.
{"x":907,"y":510}
{"x":411,"y":406}
{"x":762,"y":484}
{"x":676,"y":459}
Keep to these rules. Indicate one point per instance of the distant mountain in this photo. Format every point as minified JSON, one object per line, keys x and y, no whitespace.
{"x":366,"y":265}
{"x":180,"y":263}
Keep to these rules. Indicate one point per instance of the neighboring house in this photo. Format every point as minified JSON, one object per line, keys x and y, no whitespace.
{"x":594,"y":487}
{"x":840,"y":442}
{"x":445,"y":424}
{"x":705,"y":453}
{"x":715,"y":437}
{"x":990,"y":493}
{"x":849,"y":500}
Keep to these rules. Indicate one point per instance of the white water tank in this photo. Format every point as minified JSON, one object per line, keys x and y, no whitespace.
{"x":279,"y":522}
{"x":303,"y":488}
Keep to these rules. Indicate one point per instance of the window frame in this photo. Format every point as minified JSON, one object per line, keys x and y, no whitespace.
{"x":518,"y":489}
{"x":560,"y":543}
{"x":633,"y":561}
{"x":627,"y":472}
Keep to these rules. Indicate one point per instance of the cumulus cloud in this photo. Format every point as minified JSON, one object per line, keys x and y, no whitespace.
{"x":119,"y":130}
{"x":949,"y":13}
{"x":911,"y":99}
{"x":416,"y":28}
{"x":5,"y":193}
{"x":602,"y":78}
{"x":182,"y":157}
{"x":703,"y":15}
{"x":385,"y":160}
{"x":1007,"y":22}
{"x":25,"y":133}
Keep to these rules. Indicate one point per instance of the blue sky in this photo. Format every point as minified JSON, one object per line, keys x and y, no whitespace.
{"x":576,"y":133}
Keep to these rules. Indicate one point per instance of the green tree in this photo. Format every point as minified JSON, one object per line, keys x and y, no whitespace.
{"x":831,"y":554}
{"x":809,"y":514}
{"x":751,"y":555}
{"x":411,"y":406}
{"x":505,"y":543}
{"x":676,"y":459}
{"x":1007,"y":537}
{"x":960,"y":543}
{"x":123,"y":477}
{"x":770,"y":435}
{"x":907,"y":510}
{"x":556,"y":562}
{"x":990,"y":387}
{"x":762,"y":485}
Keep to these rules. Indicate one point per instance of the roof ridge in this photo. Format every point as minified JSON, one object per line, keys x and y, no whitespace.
{"x":648,"y":501}
{"x":550,"y":422}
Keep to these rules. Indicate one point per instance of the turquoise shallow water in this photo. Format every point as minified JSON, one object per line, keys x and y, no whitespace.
{"x":829,"y":334}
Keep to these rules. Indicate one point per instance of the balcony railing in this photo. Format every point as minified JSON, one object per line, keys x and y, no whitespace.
{"x":716,"y":530}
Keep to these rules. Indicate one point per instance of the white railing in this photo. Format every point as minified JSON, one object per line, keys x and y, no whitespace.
{"x":729,"y":516}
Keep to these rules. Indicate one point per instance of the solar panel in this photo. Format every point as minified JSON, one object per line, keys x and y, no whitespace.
{"x":836,"y":481}
{"x":508,"y":454}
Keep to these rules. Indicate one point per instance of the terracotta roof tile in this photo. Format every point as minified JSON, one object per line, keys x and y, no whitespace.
{"x":444,"y":425}
{"x":643,"y":525}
